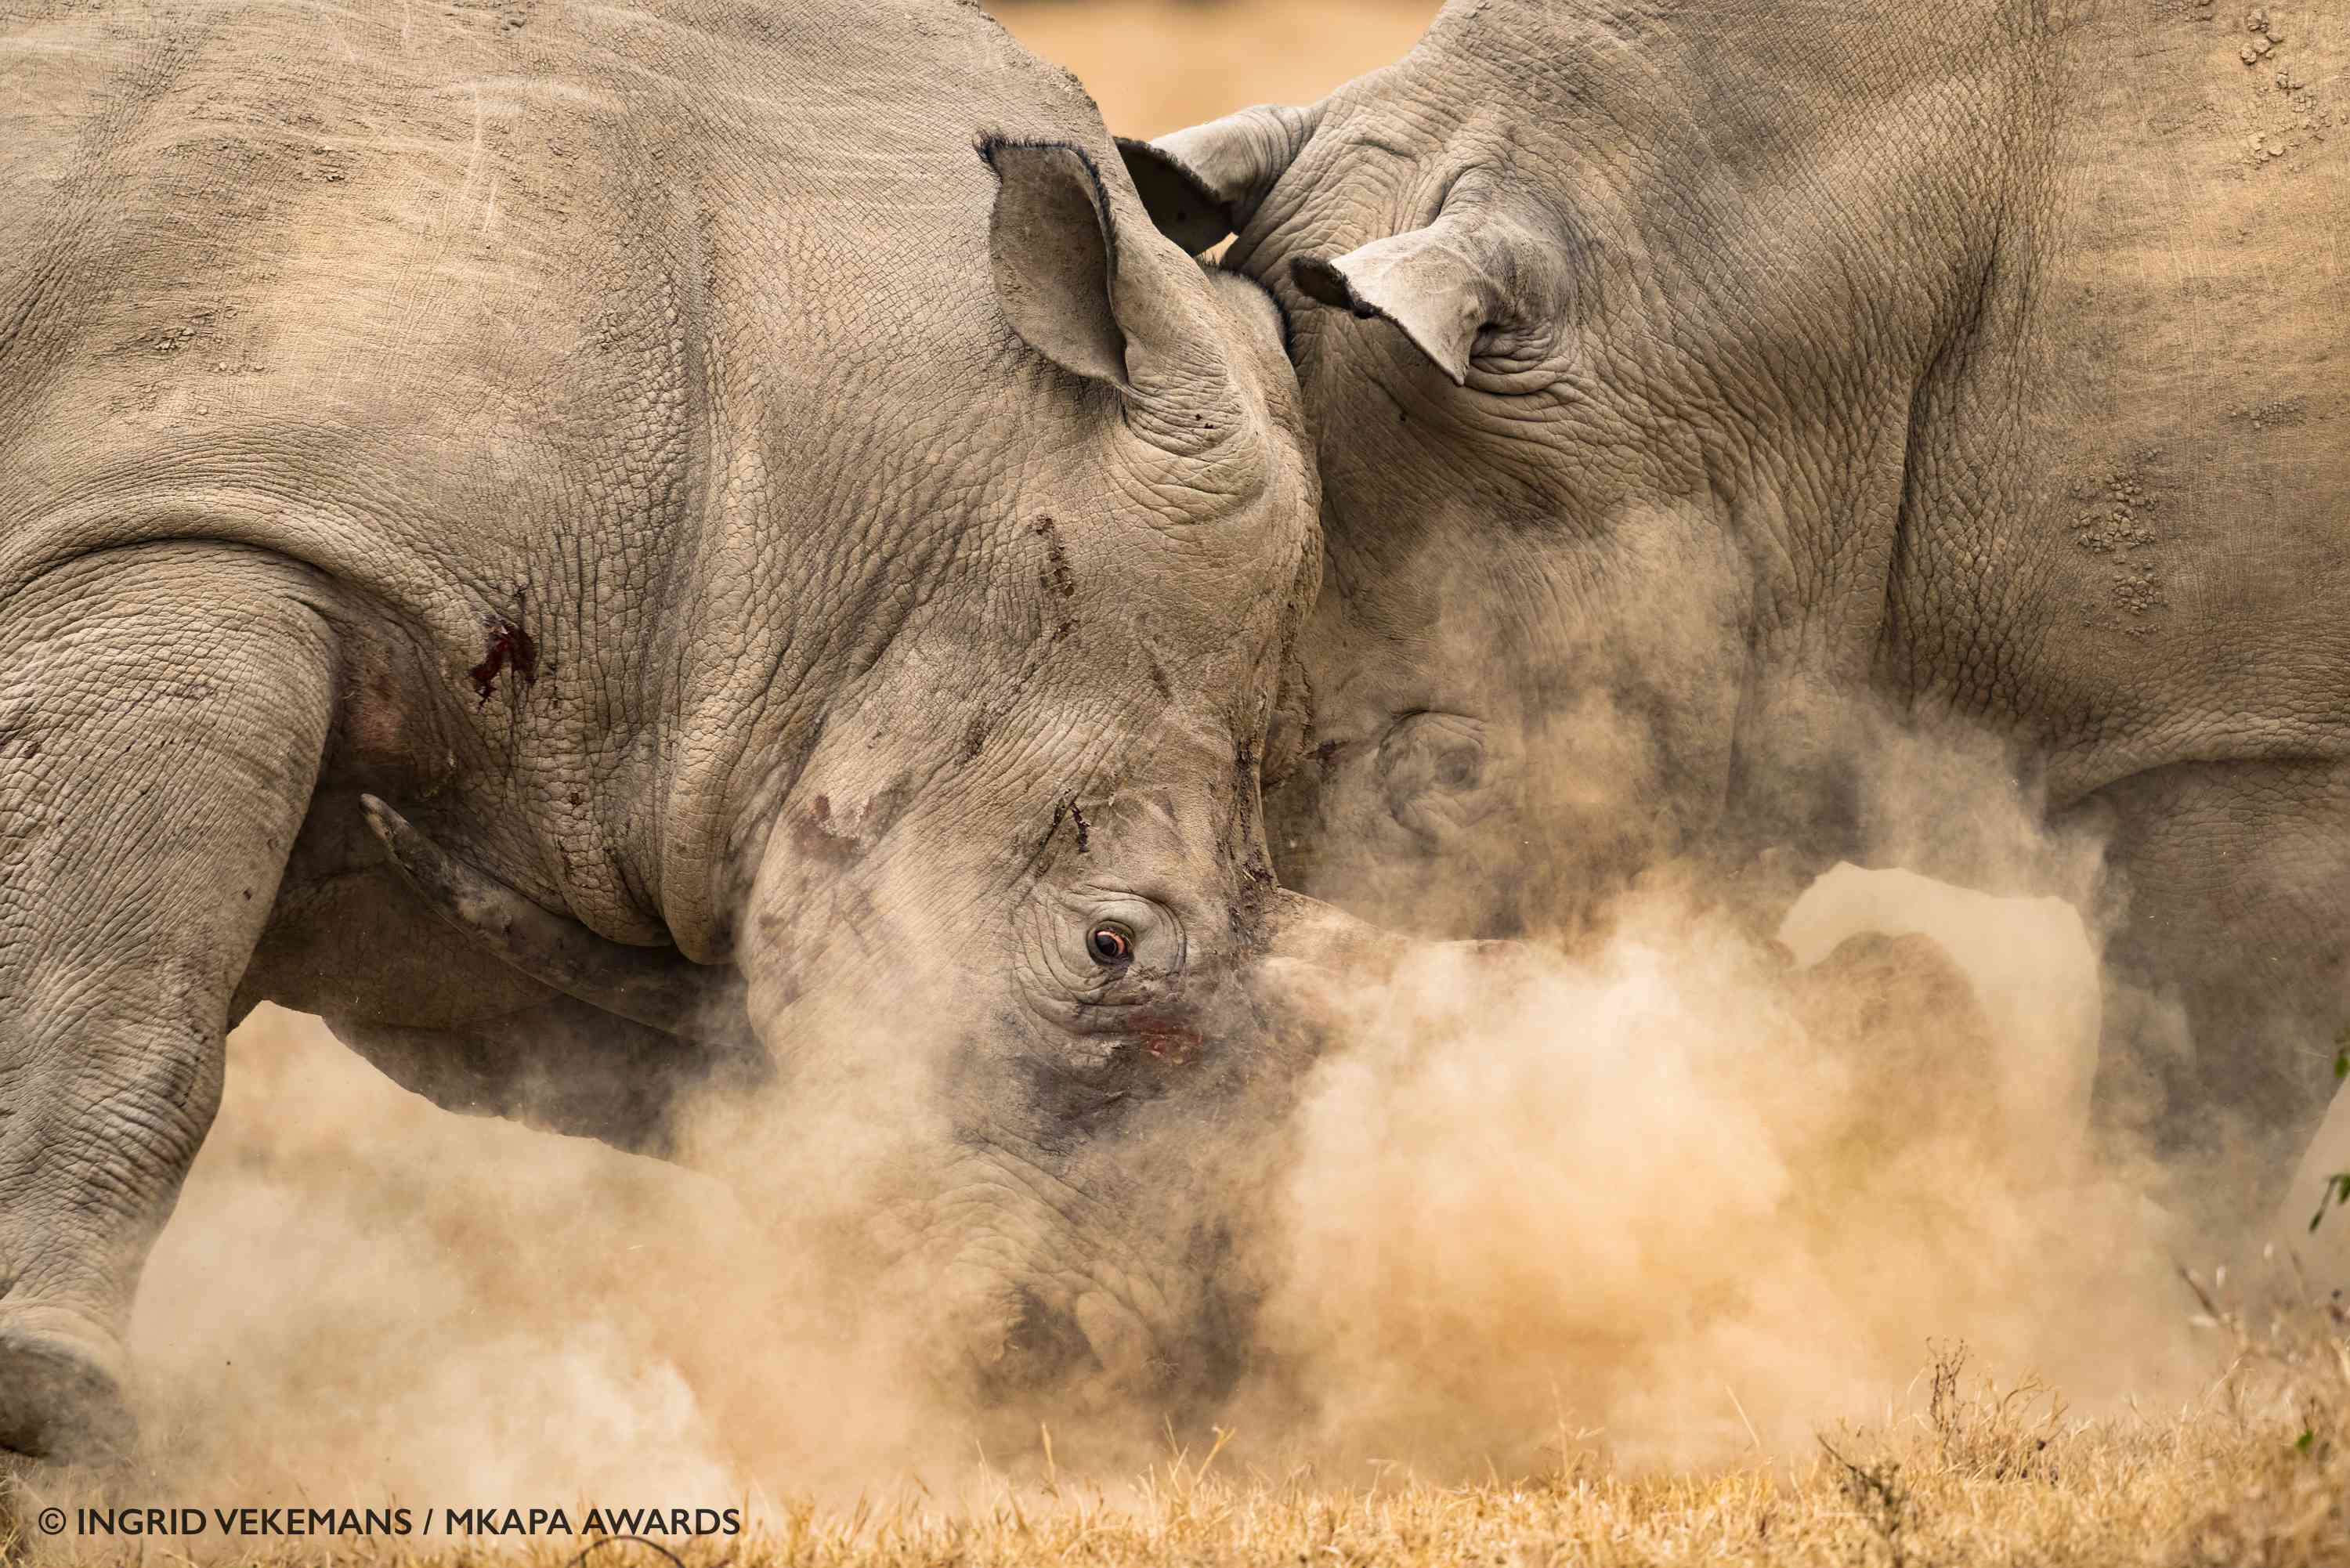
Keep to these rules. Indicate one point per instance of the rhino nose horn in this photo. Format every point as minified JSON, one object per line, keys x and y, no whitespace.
{"x":1317,"y":954}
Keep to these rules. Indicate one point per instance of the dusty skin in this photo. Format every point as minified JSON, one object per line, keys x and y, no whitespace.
{"x":1659,"y":1254}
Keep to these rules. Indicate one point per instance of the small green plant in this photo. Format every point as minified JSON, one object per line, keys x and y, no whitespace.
{"x":2337,"y":1191}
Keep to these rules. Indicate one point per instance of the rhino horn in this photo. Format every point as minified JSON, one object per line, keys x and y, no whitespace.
{"x":659,"y":988}
{"x":1313,"y":954}
{"x":1207,"y":181}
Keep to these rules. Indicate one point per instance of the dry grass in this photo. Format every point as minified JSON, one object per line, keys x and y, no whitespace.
{"x":2257,"y":1473}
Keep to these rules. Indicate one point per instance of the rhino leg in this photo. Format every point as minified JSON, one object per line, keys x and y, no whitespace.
{"x":163,"y":710}
{"x":2226,"y":974}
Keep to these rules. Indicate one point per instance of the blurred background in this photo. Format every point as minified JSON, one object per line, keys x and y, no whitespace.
{"x":1155,"y":66}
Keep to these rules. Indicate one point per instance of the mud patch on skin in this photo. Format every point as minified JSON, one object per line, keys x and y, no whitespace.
{"x":2139,"y":593}
{"x":1057,"y":576}
{"x":829,"y":841}
{"x":2281,"y":116}
{"x":2284,"y":413}
{"x":2118,"y":510}
{"x":817,"y":837}
{"x":2114,"y":519}
{"x":838,"y":836}
{"x":2260,"y":37}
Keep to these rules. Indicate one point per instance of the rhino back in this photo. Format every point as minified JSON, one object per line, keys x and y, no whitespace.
{"x":653,"y":332}
{"x":275,"y":224}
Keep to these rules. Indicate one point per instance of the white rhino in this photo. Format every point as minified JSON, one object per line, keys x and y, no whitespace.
{"x":617,"y":553}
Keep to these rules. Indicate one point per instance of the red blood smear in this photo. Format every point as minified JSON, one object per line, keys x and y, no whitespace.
{"x":509,"y":646}
{"x":1167,"y":1040}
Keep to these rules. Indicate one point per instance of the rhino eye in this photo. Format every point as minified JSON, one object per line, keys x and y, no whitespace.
{"x":1111,"y":943}
{"x":1425,"y":752}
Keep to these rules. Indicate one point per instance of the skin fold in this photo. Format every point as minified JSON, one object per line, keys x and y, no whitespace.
{"x":1754,"y":435}
{"x":636,"y":560}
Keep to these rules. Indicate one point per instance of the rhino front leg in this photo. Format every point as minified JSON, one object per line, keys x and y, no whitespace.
{"x":163,"y":710}
{"x":2226,"y":974}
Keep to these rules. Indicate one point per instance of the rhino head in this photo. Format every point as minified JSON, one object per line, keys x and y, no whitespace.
{"x":1005,"y":936}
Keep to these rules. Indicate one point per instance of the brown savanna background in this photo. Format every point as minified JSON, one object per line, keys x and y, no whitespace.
{"x":1666,"y":1252}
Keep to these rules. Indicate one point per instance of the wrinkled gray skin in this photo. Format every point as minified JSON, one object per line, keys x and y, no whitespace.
{"x":733,"y":527}
{"x":1709,"y":397}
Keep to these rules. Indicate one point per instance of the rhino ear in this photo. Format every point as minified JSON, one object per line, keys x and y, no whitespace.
{"x":1055,"y":255}
{"x":1473,"y":271}
{"x":1178,"y":200}
{"x":1205,"y":182}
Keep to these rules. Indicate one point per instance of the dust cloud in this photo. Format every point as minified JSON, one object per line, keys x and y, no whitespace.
{"x":1685,"y":1196}
{"x":1683,"y":1192}
{"x":1663,"y":1189}
{"x":1674,"y":1204}
{"x":363,"y":1298}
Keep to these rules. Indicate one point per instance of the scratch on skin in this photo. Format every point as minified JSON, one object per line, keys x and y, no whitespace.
{"x":1058,"y":576}
{"x":1060,"y":812}
{"x":1057,"y":579}
{"x":1063,"y":811}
